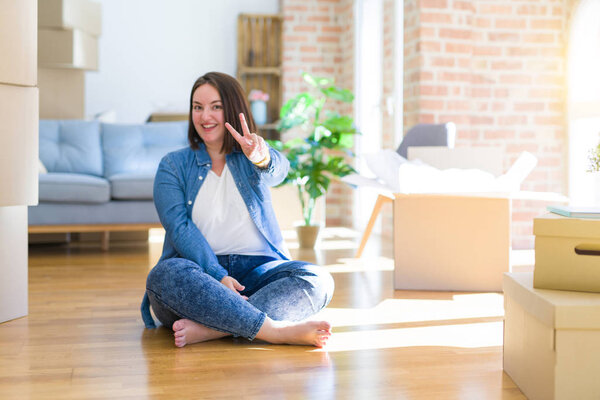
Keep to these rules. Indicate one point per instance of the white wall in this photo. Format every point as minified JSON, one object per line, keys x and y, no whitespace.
{"x":152,"y":51}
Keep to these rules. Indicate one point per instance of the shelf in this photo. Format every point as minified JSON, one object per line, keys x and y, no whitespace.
{"x":244,"y":70}
{"x":259,"y":62}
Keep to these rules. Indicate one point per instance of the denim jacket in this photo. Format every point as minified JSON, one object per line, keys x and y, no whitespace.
{"x":178,"y":180}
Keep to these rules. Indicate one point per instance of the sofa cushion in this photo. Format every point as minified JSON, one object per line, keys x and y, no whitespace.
{"x":132,"y":186}
{"x":66,"y":187}
{"x":71,"y":146}
{"x":139,"y":148}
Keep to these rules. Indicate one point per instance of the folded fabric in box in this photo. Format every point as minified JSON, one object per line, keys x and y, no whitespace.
{"x":396,"y":174}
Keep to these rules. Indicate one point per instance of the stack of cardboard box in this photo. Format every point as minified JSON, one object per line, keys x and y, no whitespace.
{"x":67,"y":47}
{"x":552,"y":316}
{"x":18,"y":148}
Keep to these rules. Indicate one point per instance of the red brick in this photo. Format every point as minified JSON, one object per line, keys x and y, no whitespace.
{"x":498,"y":106}
{"x":539,"y":38}
{"x":512,"y":120}
{"x":427,"y":104}
{"x":481,"y":92}
{"x":454,"y":76}
{"x":531,"y":9}
{"x":331,"y":29}
{"x":433,"y":4}
{"x":442,"y":62}
{"x":547,"y":23}
{"x":305,"y":28}
{"x":531,"y":106}
{"x":319,"y":18}
{"x":327,"y":39}
{"x":458,"y":105}
{"x":431,"y":90}
{"x":487,"y":51}
{"x":511,"y":23}
{"x":453,"y":33}
{"x":494,"y":9}
{"x":492,"y":134}
{"x":462,"y":48}
{"x":425,"y":32}
{"x":504,"y":36}
{"x":507,"y":65}
{"x":548,"y":120}
{"x":427,"y":47}
{"x":463,"y":5}
{"x":435,"y":17}
{"x":426,"y":118}
{"x":482,"y":22}
{"x":522,"y":51}
{"x":521,"y":79}
{"x":294,"y":38}
{"x":481,"y":120}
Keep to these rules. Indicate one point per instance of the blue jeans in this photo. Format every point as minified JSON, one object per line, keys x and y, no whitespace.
{"x":281,"y":289}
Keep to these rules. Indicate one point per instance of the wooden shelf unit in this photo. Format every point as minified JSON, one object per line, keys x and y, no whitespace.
{"x":259,"y":62}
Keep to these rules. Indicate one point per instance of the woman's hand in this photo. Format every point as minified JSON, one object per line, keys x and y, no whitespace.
{"x":253,"y":146}
{"x":233,"y":285}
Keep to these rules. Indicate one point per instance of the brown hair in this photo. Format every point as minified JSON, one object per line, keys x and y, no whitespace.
{"x":234,"y":102}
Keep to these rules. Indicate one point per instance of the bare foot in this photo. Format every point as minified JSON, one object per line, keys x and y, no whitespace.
{"x":189,"y":332}
{"x":312,"y":333}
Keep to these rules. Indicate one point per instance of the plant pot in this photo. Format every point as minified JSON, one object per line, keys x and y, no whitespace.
{"x":259,"y":111}
{"x":307,"y":235}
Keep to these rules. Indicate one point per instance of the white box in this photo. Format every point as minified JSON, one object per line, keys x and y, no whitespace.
{"x":19,"y":145}
{"x":551,"y":340}
{"x":18,"y":42}
{"x":451,"y":242}
{"x":70,"y":48}
{"x":71,"y":14}
{"x":567,"y":253}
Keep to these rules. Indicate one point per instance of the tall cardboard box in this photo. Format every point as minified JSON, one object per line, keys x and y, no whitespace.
{"x":567,"y":253}
{"x":71,"y":14}
{"x":451,"y":242}
{"x":551,"y":340}
{"x":18,"y":43}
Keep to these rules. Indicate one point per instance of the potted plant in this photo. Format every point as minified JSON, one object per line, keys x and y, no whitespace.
{"x":321,"y":153}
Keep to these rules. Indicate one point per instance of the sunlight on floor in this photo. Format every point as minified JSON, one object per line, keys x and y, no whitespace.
{"x":487,"y":334}
{"x":362,"y":264}
{"x":463,"y":321}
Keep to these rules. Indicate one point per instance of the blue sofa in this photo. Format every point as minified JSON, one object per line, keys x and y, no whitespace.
{"x":100,"y":176}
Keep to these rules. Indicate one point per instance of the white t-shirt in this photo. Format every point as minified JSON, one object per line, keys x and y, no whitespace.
{"x":221,"y":215}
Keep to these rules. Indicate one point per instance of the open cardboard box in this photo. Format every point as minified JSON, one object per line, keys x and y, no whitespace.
{"x":458,"y":241}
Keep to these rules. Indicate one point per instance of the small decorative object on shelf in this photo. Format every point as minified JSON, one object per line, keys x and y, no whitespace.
{"x":258,"y":105}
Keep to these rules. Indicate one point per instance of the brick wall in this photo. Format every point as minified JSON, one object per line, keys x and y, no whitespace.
{"x":495,"y":68}
{"x":498,"y":70}
{"x":318,"y":37}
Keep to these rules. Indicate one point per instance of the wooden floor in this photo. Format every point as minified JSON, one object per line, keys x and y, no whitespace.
{"x":84,"y":338}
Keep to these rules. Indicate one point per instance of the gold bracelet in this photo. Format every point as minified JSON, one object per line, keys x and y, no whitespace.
{"x":261,"y":161}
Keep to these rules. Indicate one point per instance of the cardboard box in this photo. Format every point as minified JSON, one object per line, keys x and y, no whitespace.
{"x":70,"y":48}
{"x":451,"y":242}
{"x":13,"y":262}
{"x":62,"y":93}
{"x":551,"y":340}
{"x":18,"y":42}
{"x":18,"y":145}
{"x":71,"y":14}
{"x":567,"y":253}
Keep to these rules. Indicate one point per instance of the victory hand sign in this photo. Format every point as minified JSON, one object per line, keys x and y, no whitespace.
{"x":253,"y":146}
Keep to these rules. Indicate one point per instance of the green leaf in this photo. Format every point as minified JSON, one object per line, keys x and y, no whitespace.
{"x":296,"y":111}
{"x":321,"y":132}
{"x":336,"y":93}
{"x":316,"y":81}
